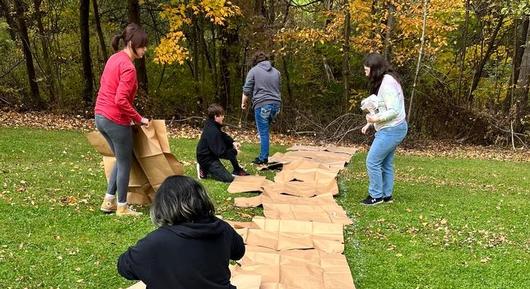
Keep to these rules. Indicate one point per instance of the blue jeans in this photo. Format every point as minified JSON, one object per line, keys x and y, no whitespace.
{"x":264,"y":116}
{"x":380,"y":160}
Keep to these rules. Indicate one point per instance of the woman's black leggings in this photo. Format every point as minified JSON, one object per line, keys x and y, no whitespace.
{"x":120,"y":141}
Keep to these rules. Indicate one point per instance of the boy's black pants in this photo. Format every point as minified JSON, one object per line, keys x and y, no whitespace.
{"x":218,"y":171}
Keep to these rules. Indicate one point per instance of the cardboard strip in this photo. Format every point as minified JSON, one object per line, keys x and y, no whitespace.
{"x":286,"y":158}
{"x":334,"y":149}
{"x":307,"y":269}
{"x":293,"y":235}
{"x":248,"y":184}
{"x":302,"y":189}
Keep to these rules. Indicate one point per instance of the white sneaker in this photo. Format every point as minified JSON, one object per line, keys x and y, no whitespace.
{"x":200,"y":173}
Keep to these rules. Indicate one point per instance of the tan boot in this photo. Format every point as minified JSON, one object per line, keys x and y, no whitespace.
{"x":126,"y":211}
{"x":108,"y":205}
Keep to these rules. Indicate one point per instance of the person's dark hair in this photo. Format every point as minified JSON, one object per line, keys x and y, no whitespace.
{"x":215,"y":110}
{"x":379,"y":66}
{"x":258,"y":57}
{"x":134,"y":33}
{"x":180,"y":199}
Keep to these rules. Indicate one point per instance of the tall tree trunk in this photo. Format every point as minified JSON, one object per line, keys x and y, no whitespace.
{"x":134,"y":17}
{"x":229,"y":39}
{"x":420,"y":55}
{"x":387,"y":50}
{"x":464,"y":50}
{"x":484,"y":60}
{"x":520,"y":32}
{"x":346,"y":56}
{"x":523,"y":84}
{"x":100,"y":31}
{"x":35,"y":101}
{"x":259,"y":8}
{"x":6,"y":12}
{"x":287,"y":80}
{"x":88,"y":76}
{"x":50,"y":76}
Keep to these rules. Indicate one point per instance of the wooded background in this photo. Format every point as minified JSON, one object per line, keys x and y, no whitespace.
{"x":465,"y":65}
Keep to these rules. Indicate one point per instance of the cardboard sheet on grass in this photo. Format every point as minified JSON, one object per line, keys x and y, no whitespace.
{"x":334,"y":149}
{"x":296,"y":269}
{"x":298,"y":182}
{"x":240,"y":280}
{"x":322,"y":208}
{"x":332,"y":160}
{"x":284,"y":235}
{"x":248,"y":184}
{"x":152,"y":163}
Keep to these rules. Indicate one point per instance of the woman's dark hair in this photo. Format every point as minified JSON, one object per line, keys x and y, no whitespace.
{"x":258,"y":57}
{"x":215,"y":110}
{"x":134,"y":33}
{"x":379,"y":66}
{"x":180,"y":199}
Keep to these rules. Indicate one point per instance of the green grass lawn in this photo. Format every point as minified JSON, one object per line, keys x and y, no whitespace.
{"x":454,"y":224}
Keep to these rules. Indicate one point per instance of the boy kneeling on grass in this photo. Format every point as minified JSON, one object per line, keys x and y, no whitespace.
{"x":214,"y":145}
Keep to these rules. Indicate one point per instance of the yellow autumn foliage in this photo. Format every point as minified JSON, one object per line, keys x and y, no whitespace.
{"x":172,"y":46}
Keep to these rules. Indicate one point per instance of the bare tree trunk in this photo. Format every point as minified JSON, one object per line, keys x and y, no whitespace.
{"x":520,"y":32}
{"x":346,"y":56}
{"x":259,"y":8}
{"x":35,"y":101}
{"x":523,"y":84}
{"x":387,"y":52}
{"x":12,"y":26}
{"x":464,"y":50}
{"x":133,"y":8}
{"x":287,"y":80}
{"x":88,"y":76}
{"x":227,"y":56}
{"x":50,"y":76}
{"x":484,"y":60}
{"x":100,"y":31}
{"x":420,"y":55}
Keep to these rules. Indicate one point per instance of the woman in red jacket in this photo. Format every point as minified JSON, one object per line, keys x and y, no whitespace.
{"x":115,"y":113}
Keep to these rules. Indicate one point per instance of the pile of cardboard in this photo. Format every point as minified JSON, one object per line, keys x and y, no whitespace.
{"x":299,"y":243}
{"x":152,"y":163}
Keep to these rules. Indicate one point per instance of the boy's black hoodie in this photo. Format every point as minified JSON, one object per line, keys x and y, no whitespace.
{"x":184,"y":256}
{"x":213,"y":143}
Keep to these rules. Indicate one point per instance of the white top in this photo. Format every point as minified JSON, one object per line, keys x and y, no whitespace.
{"x":391,"y":103}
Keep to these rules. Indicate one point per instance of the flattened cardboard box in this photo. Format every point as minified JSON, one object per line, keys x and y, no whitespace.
{"x":334,"y":149}
{"x":248,"y":184}
{"x":297,"y":269}
{"x":152,"y":161}
{"x":322,"y":208}
{"x":309,"y":164}
{"x":299,"y":182}
{"x":283,"y":235}
{"x":335,"y":162}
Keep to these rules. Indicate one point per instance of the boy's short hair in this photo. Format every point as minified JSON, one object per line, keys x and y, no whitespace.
{"x":215,"y":110}
{"x":258,"y":57}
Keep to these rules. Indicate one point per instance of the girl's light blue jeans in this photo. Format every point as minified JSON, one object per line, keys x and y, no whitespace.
{"x":380,"y":160}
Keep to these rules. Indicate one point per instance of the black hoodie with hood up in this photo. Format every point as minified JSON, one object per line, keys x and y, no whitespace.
{"x":184,"y":256}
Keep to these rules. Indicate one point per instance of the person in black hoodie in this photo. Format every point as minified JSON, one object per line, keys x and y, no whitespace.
{"x":214,"y":145}
{"x":190,"y":249}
